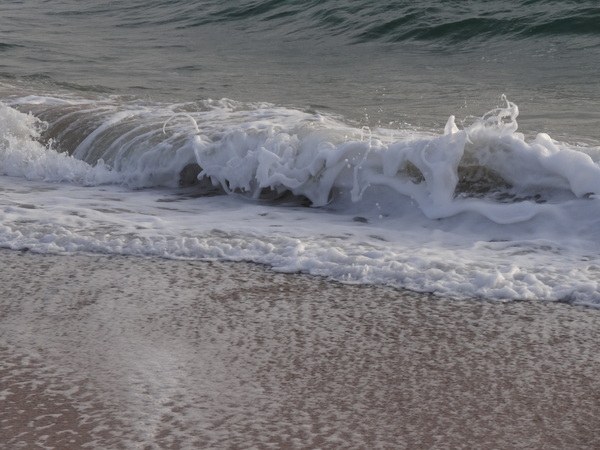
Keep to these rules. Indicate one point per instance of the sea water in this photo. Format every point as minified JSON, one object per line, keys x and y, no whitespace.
{"x":444,"y":149}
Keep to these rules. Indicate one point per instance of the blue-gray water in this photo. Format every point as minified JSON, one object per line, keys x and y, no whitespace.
{"x":375,"y":62}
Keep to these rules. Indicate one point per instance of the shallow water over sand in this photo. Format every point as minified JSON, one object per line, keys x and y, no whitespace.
{"x":114,"y":352}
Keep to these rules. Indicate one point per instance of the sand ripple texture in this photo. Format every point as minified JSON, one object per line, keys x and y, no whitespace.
{"x":108,"y":352}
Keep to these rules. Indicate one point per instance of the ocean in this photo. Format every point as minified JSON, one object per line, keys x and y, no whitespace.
{"x":449,"y":148}
{"x":324,"y":224}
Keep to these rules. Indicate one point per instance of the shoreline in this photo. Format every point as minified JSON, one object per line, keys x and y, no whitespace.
{"x":111,"y":352}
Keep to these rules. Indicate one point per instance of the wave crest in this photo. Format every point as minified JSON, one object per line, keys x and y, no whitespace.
{"x":261,"y":150}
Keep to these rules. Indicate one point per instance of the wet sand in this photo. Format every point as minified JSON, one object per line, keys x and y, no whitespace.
{"x":108,"y":352}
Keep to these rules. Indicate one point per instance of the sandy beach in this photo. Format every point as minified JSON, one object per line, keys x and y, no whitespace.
{"x":106,"y":352}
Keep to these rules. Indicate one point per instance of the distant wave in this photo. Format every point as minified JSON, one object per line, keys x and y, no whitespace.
{"x":4,"y":46}
{"x":361,"y":21}
{"x":434,"y":24}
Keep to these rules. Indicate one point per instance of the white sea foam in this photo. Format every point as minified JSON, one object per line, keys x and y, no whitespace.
{"x":22,"y":155}
{"x":479,"y":211}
